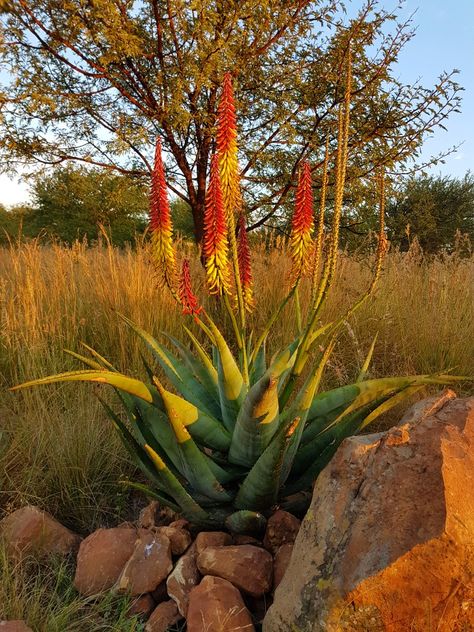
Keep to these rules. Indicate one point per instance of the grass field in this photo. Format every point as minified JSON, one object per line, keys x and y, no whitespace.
{"x":57,"y":448}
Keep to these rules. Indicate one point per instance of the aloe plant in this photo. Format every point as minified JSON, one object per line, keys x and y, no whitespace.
{"x":224,"y":433}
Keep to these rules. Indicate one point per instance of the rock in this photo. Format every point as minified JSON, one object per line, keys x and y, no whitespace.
{"x":30,"y":530}
{"x":101,"y":558}
{"x":148,"y":566}
{"x":184,"y":577}
{"x":282,"y":528}
{"x":217,"y":606}
{"x":280,"y":563}
{"x":211,"y":538}
{"x":149,"y":515}
{"x":142,"y":606}
{"x":180,"y":539}
{"x":163,"y":617}
{"x":14,"y":626}
{"x":258,"y":606}
{"x":248,"y":567}
{"x":246,"y":539}
{"x":387,"y":543}
{"x":182,"y":523}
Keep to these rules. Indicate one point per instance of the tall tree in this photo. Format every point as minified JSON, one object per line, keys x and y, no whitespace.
{"x":432,"y":209}
{"x":98,"y":80}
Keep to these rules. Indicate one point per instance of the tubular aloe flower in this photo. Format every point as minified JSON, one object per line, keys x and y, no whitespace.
{"x":188,"y":299}
{"x":302,"y":225}
{"x":244,"y":265}
{"x":227,"y":149}
{"x":160,"y":223}
{"x":215,"y":244}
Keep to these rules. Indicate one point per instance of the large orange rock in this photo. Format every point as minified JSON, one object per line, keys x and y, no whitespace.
{"x":149,"y":564}
{"x":101,"y":558}
{"x":217,"y":606}
{"x":31,"y":530}
{"x":388,"y":542}
{"x":248,"y":567}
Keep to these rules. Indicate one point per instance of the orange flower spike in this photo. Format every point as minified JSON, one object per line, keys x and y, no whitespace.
{"x":302,"y":224}
{"x":188,"y":299}
{"x":160,"y":222}
{"x":215,"y":244}
{"x":244,"y":264}
{"x":227,"y":148}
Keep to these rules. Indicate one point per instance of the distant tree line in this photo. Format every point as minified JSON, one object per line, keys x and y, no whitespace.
{"x":73,"y":203}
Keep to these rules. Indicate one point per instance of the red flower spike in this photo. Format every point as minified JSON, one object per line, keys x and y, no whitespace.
{"x":227,"y":148}
{"x":302,"y":224}
{"x":245,"y":268}
{"x":160,"y":222}
{"x":215,"y":243}
{"x":188,"y":299}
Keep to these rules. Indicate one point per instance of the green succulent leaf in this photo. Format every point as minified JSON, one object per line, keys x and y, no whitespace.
{"x":232,"y":389}
{"x":122,"y":382}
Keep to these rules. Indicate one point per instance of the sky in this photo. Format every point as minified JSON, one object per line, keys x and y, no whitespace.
{"x":444,"y":40}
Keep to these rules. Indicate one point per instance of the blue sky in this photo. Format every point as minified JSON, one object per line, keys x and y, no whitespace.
{"x":444,"y":40}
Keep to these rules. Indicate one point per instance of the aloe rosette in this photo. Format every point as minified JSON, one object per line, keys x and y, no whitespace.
{"x":224,"y":433}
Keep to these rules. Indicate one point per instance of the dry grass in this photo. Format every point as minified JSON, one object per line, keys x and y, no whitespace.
{"x":57,"y":448}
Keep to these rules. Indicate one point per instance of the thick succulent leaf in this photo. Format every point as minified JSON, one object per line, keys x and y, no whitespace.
{"x":232,"y":389}
{"x":325,"y":447}
{"x":257,"y":420}
{"x":189,"y":507}
{"x":246,"y":522}
{"x":204,"y":429}
{"x":92,"y":364}
{"x":177,"y":373}
{"x":122,"y":382}
{"x":300,"y":409}
{"x":371,"y":389}
{"x":259,"y":490}
{"x":258,"y":366}
{"x":365,"y":367}
{"x":103,"y":361}
{"x":388,"y":404}
{"x":205,"y":359}
{"x":194,"y":463}
{"x":151,"y":493}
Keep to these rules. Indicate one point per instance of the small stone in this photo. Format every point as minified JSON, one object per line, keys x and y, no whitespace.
{"x":142,"y":606}
{"x":183,"y":579}
{"x":14,"y":626}
{"x":101,"y":558}
{"x":163,"y":617}
{"x":246,"y":539}
{"x":211,"y":538}
{"x":248,"y":567}
{"x":180,"y":538}
{"x":182,"y":523}
{"x":217,"y":606}
{"x":148,"y":566}
{"x":148,"y":517}
{"x":280,"y":563}
{"x":30,"y":530}
{"x":282,"y":528}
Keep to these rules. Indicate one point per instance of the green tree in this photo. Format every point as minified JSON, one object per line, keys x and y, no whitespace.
{"x":434,"y":209}
{"x":11,"y":221}
{"x":97,"y":81}
{"x":71,"y":203}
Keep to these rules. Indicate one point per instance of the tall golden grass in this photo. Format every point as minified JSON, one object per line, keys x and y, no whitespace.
{"x":57,"y":448}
